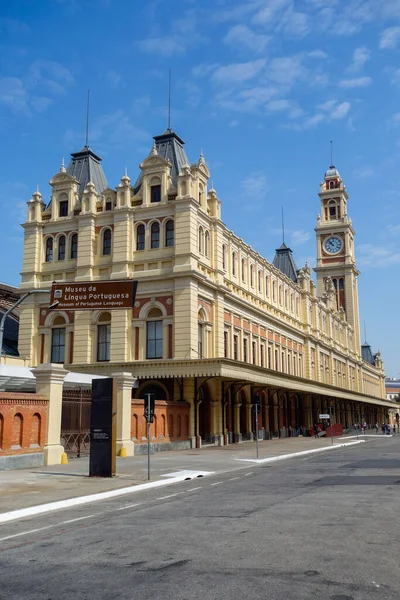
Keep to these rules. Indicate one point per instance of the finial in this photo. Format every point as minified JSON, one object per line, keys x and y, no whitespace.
{"x":37,"y":188}
{"x":332,"y":165}
{"x":283,"y":228}
{"x":126,"y":172}
{"x":87,"y":119}
{"x":153,"y":151}
{"x":62,"y":170}
{"x":169,"y":100}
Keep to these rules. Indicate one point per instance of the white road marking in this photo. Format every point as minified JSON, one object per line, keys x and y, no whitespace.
{"x":52,"y":506}
{"x":10,"y":537}
{"x":165,"y":497}
{"x":295,"y":454}
{"x":194,"y":489}
{"x":77,"y":519}
{"x":247,"y":474}
{"x":128,"y":506}
{"x":233,"y":478}
{"x":217,"y":483}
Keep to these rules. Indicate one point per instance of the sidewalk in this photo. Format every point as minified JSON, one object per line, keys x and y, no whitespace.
{"x":25,"y":488}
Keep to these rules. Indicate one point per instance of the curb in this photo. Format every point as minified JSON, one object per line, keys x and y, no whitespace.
{"x":60,"y":504}
{"x":296,"y":454}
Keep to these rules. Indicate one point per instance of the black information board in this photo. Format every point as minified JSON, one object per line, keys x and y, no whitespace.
{"x":102,"y":438}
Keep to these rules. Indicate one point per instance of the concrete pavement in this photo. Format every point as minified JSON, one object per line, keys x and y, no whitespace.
{"x":322,"y":527}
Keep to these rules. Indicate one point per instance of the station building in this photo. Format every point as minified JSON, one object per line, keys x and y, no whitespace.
{"x":214,"y":322}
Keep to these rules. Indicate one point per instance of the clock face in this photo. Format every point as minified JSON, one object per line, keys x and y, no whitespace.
{"x":333,"y":244}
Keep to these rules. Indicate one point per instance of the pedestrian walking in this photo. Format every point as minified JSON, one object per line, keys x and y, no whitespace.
{"x":315,"y":430}
{"x":376,"y":427}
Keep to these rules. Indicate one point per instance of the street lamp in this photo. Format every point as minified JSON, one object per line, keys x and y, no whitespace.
{"x":18,"y":302}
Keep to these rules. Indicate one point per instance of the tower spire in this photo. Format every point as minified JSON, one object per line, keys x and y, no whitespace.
{"x":169,"y":99}
{"x":331,"y":143}
{"x":87,"y":119}
{"x":283,"y":228}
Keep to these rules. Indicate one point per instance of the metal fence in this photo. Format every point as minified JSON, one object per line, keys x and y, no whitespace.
{"x":75,"y":422}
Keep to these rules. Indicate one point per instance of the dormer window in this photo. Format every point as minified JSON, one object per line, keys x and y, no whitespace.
{"x":155,"y":193}
{"x":63,"y":205}
{"x":109,"y":205}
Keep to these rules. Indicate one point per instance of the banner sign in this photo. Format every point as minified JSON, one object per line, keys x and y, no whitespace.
{"x":93,"y":295}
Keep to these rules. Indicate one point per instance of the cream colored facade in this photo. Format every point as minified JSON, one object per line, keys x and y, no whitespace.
{"x":218,"y":306}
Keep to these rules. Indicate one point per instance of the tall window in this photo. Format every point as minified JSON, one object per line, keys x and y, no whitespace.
{"x":245,"y":349}
{"x":154,"y":339}
{"x":155,"y":235}
{"x":254,"y":352}
{"x":107,"y":242}
{"x":234,"y":264}
{"x":200,"y":340}
{"x":155,"y":195}
{"x":223,"y":256}
{"x":207,"y":244}
{"x":262,"y":355}
{"x":108,"y":204}
{"x":103,"y":342}
{"x":58,"y":345}
{"x":49,"y":249}
{"x":235,"y":347}
{"x":243,"y":270}
{"x":259,"y":281}
{"x":252,"y":275}
{"x":140,"y":237}
{"x":267,"y":286}
{"x":63,"y":208}
{"x":74,"y":246}
{"x":169,"y":233}
{"x":201,"y":240}
{"x":61,"y":247}
{"x":274,"y":291}
{"x":226,"y":342}
{"x":269,"y":358}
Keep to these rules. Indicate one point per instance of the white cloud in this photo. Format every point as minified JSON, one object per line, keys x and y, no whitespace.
{"x":14,"y":95}
{"x":317,"y":54}
{"x":355,"y":83}
{"x":256,"y":185}
{"x":341,"y":110}
{"x":49,"y":75}
{"x":361,"y":56}
{"x":390,"y":38}
{"x":365,"y":171}
{"x":395,"y":77}
{"x":393,"y":229}
{"x":234,"y":74}
{"x":234,"y":123}
{"x":242,"y":36}
{"x":203,"y":70}
{"x":377,"y":256}
{"x":164,"y":46}
{"x":300,"y":236}
{"x":115,"y":79}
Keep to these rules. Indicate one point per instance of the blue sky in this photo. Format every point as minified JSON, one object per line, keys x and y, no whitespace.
{"x":261,"y":86}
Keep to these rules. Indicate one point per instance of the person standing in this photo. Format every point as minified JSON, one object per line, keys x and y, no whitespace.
{"x":316,"y":430}
{"x":376,"y":427}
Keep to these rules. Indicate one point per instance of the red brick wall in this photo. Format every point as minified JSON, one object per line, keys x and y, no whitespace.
{"x":171,"y":422}
{"x":23,"y":423}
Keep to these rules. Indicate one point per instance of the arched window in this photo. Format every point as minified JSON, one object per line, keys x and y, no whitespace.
{"x":58,"y":341}
{"x":223,"y":256}
{"x":274,"y":291}
{"x":155,"y":193}
{"x":154,"y":334}
{"x":49,"y":249}
{"x":107,"y":239}
{"x":169,"y":233}
{"x":259,"y":281}
{"x":280,"y":294}
{"x":243,"y":270}
{"x":267,"y":285}
{"x":252,"y":275}
{"x":201,"y":350}
{"x":74,"y":246}
{"x":201,"y":240}
{"x":104,"y":337}
{"x":61,"y":247}
{"x":140,"y":237}
{"x":286,"y":299}
{"x":108,"y":204}
{"x":207,"y":244}
{"x":234,"y":264}
{"x":331,"y":185}
{"x":155,"y":235}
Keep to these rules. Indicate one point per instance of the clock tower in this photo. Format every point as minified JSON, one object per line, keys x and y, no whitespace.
{"x":335,"y":248}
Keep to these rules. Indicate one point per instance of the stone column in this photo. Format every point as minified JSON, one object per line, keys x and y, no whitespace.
{"x":237,"y":435}
{"x":188,"y":396}
{"x":49,"y":383}
{"x":124,"y":383}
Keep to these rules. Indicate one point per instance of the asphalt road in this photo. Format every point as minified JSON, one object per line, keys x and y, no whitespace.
{"x":318,"y":527}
